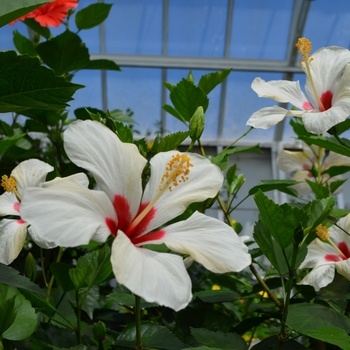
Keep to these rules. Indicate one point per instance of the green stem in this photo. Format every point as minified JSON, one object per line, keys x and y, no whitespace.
{"x":138,"y":322}
{"x":266,"y":288}
{"x":78,"y":306}
{"x":52,"y":279}
{"x":235,"y":141}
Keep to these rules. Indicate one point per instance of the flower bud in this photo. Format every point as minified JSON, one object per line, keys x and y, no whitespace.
{"x":99,"y":330}
{"x":30,"y":267}
{"x":197,"y":124}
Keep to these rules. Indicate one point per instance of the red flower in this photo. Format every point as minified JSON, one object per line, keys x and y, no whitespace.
{"x":51,"y":14}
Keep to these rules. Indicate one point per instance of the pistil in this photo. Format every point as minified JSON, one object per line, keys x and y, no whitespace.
{"x":304,"y":48}
{"x":323,"y":234}
{"x":9,"y":185}
{"x":176,"y":172}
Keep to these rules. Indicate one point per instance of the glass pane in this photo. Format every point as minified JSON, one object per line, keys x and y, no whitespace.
{"x":197,"y":28}
{"x":242,"y":102}
{"x":135,"y":27}
{"x":328,"y":23}
{"x":260,"y":29}
{"x":212,"y":113}
{"x":140,"y":90}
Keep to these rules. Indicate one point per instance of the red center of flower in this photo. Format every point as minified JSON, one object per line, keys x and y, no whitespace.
{"x":16,"y":206}
{"x":134,"y":232}
{"x":343,"y":247}
{"x":326,"y":99}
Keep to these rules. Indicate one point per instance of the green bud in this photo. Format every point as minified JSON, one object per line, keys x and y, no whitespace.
{"x":30,"y":267}
{"x":99,"y":330}
{"x":197,"y":124}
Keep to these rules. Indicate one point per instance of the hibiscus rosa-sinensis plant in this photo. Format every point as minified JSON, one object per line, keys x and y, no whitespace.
{"x":108,"y":241}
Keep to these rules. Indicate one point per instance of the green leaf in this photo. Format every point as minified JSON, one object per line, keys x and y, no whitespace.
{"x":280,"y":220}
{"x":120,"y":116}
{"x":216,"y":296}
{"x":219,"y":340}
{"x":7,"y":308}
{"x":153,"y":335}
{"x":23,"y":45}
{"x":234,"y":182}
{"x":79,"y":276}
{"x":334,"y":185}
{"x":92,"y":16}
{"x":319,"y":190}
{"x":174,"y":112}
{"x":128,"y":299}
{"x":36,"y":27}
{"x":327,"y":143}
{"x":336,"y":170}
{"x":270,"y":185}
{"x":26,"y":319}
{"x":309,"y":317}
{"x":102,"y":64}
{"x":7,"y":142}
{"x":222,"y":161}
{"x":11,"y":10}
{"x":124,"y":132}
{"x":273,"y":342}
{"x":209,"y":81}
{"x":25,"y":85}
{"x":171,"y":141}
{"x":186,"y":98}
{"x":99,"y":262}
{"x":332,"y":335}
{"x":64,"y":53}
{"x":10,"y":277}
{"x":61,"y":272}
{"x":319,"y":210}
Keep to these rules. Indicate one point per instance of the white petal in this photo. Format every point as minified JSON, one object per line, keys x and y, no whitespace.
{"x":68,"y":214}
{"x":13,"y":234}
{"x":317,"y":250}
{"x":9,"y":204}
{"x":337,"y":234}
{"x":208,"y":241}
{"x":204,"y":181}
{"x":281,"y":91}
{"x":30,"y":173}
{"x":43,"y":243}
{"x":320,"y":122}
{"x":320,"y":276}
{"x":335,"y":159}
{"x":303,"y":187}
{"x":116,"y":166}
{"x":266,"y":117}
{"x":327,"y":67}
{"x":61,"y":181}
{"x":289,"y":161}
{"x":156,"y":277}
{"x":343,"y":268}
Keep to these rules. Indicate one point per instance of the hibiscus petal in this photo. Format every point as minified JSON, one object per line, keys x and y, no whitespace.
{"x":30,"y":173}
{"x":116,"y":166}
{"x":327,"y":67}
{"x":343,"y":268}
{"x":316,"y":252}
{"x":266,"y":117}
{"x":208,"y":241}
{"x":204,"y":181}
{"x":289,"y":161}
{"x":9,"y":204}
{"x":319,"y":276}
{"x":281,"y":91}
{"x":13,"y":234}
{"x":335,"y":159}
{"x":337,"y":235}
{"x":156,"y":277}
{"x":70,"y":214}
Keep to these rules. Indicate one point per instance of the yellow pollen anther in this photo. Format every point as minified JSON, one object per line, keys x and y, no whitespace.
{"x":9,"y":185}
{"x":304,"y":47}
{"x":176,"y":171}
{"x":322,"y":232}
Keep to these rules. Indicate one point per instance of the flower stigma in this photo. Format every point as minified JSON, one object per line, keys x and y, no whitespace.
{"x":323,"y":234}
{"x":9,"y":185}
{"x":176,"y":172}
{"x":304,"y":47}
